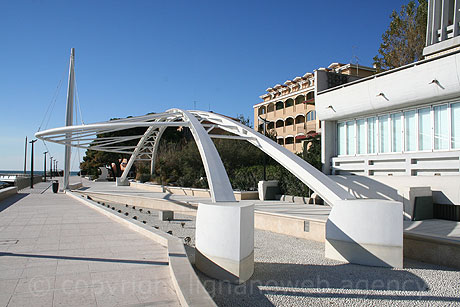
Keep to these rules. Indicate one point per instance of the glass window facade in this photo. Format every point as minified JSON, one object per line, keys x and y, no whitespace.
{"x":384,"y":140}
{"x":372,"y":135}
{"x":410,"y":130}
{"x":424,"y":129}
{"x":350,"y":138}
{"x":430,"y":128}
{"x":342,"y":139}
{"x":396,"y":132}
{"x":361,"y":136}
{"x":455,"y":124}
{"x":441,"y":127}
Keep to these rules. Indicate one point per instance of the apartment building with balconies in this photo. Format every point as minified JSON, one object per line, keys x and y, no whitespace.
{"x":289,"y":108}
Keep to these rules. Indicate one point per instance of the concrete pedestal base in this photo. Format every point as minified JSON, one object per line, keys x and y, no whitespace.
{"x":225,"y":241}
{"x":121,"y":183}
{"x":366,"y":231}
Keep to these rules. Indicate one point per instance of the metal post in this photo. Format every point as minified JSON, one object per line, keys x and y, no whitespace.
{"x":69,"y":118}
{"x":51,"y":167}
{"x":265,"y":155}
{"x":32,"y":165}
{"x":44,"y":166}
{"x":25,"y":157}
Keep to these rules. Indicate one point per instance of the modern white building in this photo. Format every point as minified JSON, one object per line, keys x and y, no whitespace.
{"x":398,"y":132}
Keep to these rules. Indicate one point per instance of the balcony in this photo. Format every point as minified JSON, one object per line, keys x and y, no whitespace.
{"x":443,"y":26}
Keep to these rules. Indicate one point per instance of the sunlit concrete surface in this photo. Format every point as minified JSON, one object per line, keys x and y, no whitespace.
{"x":435,"y":228}
{"x":55,"y":251}
{"x":313,"y":212}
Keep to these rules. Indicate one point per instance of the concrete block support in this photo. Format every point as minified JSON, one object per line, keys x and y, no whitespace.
{"x":166,"y":215}
{"x":225,"y":241}
{"x":409,"y":194}
{"x":120,"y":182}
{"x":366,"y":231}
{"x":263,"y":187}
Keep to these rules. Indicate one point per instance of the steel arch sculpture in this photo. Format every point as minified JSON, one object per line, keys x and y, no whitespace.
{"x":201,"y":124}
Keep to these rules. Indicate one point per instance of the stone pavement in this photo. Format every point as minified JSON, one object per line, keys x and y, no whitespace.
{"x":55,"y":251}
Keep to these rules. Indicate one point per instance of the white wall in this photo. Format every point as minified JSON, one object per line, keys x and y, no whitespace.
{"x":401,"y":88}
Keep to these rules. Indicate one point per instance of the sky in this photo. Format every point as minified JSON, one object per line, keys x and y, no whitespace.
{"x":135,"y":57}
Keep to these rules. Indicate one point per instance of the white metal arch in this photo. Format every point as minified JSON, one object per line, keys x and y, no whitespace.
{"x":219,"y":184}
{"x":328,"y":189}
{"x":201,"y":124}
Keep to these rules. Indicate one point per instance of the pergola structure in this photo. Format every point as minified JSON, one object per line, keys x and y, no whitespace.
{"x":201,"y":124}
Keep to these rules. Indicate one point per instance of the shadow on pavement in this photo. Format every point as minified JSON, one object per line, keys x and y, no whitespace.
{"x":84,"y":258}
{"x":321,"y":281}
{"x":4,"y":204}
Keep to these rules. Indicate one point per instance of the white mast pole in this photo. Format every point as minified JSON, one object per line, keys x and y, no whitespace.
{"x":69,"y":117}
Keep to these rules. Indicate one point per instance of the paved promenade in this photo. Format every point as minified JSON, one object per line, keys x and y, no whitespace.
{"x":55,"y":251}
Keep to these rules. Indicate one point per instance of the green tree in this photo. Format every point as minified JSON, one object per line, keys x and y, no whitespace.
{"x":312,"y":150}
{"x":404,"y":40}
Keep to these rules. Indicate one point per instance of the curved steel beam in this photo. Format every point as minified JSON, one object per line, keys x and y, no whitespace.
{"x":328,"y":189}
{"x":155,"y":149}
{"x":219,"y":184}
{"x":133,"y":157}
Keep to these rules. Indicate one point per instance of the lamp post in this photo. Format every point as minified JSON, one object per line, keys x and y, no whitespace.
{"x":265,"y":156}
{"x":44,"y":166}
{"x":51,"y":167}
{"x":25,"y":157}
{"x":32,"y":165}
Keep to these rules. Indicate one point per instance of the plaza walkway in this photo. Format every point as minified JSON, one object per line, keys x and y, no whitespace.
{"x":55,"y":251}
{"x":441,"y":229}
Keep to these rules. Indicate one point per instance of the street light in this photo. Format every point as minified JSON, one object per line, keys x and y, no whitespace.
{"x":25,"y":157}
{"x":44,"y":166}
{"x":265,"y":156}
{"x":51,"y":167}
{"x":32,"y":164}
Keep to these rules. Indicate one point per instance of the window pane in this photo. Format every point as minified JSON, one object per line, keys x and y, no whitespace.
{"x":372,"y":135}
{"x":424,"y":129}
{"x":455,"y":112}
{"x":441,"y":127}
{"x":361,"y":129}
{"x":351,"y":137}
{"x":341,"y":137}
{"x":410,"y":134}
{"x":384,"y":144}
{"x":396,"y":132}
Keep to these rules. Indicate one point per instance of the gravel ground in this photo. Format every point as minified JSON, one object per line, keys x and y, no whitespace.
{"x":293,"y":272}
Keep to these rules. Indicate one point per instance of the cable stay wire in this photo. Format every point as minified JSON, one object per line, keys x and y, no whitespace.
{"x":77,"y":102}
{"x":50,"y":108}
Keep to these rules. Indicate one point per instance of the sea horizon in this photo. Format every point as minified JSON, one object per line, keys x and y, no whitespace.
{"x":16,"y":172}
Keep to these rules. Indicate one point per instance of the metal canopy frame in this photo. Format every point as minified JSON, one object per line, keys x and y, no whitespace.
{"x":201,"y":124}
